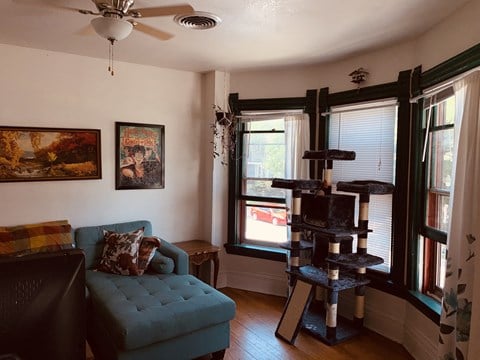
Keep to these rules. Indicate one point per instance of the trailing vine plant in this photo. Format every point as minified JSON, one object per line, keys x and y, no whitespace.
{"x":224,"y":134}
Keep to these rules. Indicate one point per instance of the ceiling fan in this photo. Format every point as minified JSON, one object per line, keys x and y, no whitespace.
{"x":112,"y":25}
{"x":111,"y":22}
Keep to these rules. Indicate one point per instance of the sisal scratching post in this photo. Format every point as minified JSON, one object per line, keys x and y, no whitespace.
{"x":362,"y":250}
{"x":332,"y":296}
{"x":296,"y":234}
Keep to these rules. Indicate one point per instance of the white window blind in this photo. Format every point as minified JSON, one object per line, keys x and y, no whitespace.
{"x":370,"y":131}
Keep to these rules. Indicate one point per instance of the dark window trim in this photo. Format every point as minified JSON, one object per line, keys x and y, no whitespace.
{"x":399,"y":90}
{"x":369,"y":93}
{"x":465,"y":61}
{"x":259,"y":252}
{"x":425,"y":304}
{"x":261,"y":199}
{"x":458,"y":64}
{"x":416,"y":189}
{"x":308,"y":104}
{"x":433,"y":234}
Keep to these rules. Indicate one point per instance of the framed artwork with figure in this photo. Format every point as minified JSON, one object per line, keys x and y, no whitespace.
{"x":140,"y":156}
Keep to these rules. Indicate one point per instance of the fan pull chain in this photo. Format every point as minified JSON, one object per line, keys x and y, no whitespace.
{"x":110,"y":57}
{"x":113,"y":72}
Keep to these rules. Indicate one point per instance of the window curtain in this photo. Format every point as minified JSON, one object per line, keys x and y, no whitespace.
{"x":460,"y":317}
{"x":297,"y":141}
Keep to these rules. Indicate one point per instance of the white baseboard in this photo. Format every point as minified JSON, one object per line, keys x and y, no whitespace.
{"x":222,"y":280}
{"x":418,"y":345}
{"x":417,"y":340}
{"x":388,"y":321}
{"x":258,"y":282}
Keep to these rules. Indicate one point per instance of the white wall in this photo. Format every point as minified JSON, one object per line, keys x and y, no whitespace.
{"x":41,"y":88}
{"x":455,"y":34}
{"x":450,"y":37}
{"x":399,"y":320}
{"x":216,"y":203}
{"x":383,"y":65}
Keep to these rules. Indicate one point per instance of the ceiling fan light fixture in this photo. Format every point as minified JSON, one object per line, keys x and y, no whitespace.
{"x":110,"y":28}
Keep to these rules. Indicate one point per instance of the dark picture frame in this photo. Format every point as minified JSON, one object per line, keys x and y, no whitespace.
{"x":139,"y":156}
{"x":42,"y":154}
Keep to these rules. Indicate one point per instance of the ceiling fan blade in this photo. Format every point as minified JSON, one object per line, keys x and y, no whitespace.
{"x":88,"y":12}
{"x":85,"y":31}
{"x":46,"y":4}
{"x":147,"y":29}
{"x":163,"y":10}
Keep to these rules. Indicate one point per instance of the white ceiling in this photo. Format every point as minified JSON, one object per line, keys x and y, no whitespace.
{"x":253,"y":34}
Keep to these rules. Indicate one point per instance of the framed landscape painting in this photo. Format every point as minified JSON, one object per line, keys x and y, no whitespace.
{"x":140,"y":156}
{"x":35,"y":154}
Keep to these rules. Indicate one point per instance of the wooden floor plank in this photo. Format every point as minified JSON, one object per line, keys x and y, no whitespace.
{"x":253,"y":336}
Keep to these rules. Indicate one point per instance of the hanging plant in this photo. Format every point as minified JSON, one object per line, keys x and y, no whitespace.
{"x":224,"y":134}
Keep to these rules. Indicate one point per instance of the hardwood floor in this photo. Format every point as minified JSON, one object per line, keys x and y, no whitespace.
{"x":253,"y":336}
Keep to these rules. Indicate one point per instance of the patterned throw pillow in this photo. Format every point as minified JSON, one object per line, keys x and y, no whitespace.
{"x":34,"y":238}
{"x":146,"y":252}
{"x":120,"y":252}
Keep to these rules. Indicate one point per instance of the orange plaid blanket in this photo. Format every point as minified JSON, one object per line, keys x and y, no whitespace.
{"x":33,"y":238}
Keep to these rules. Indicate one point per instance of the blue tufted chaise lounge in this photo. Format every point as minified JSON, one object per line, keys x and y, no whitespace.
{"x":154,"y":316}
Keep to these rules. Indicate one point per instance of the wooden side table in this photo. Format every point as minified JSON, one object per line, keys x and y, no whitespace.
{"x":200,"y":251}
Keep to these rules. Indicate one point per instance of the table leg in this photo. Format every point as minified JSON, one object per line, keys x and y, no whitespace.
{"x":196,"y":270}
{"x":215,"y":270}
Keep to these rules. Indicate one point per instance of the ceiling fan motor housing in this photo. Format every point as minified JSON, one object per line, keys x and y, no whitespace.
{"x":119,"y":7}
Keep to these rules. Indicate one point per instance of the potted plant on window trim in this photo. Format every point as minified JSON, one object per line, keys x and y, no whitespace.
{"x":224,"y":134}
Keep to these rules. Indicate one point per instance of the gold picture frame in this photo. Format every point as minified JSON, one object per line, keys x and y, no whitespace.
{"x":41,"y":154}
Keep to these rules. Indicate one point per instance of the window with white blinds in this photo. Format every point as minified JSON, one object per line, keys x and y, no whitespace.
{"x":370,"y":131}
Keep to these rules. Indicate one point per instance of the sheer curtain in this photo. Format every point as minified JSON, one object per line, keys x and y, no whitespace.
{"x":297,"y":140}
{"x":460,"y":318}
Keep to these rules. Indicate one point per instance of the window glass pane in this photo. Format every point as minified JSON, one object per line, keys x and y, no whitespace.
{"x":380,"y":221}
{"x":440,"y":164}
{"x":438,"y":210}
{"x":446,"y":112}
{"x":266,"y":125}
{"x":255,"y":187}
{"x":265,"y":222}
{"x":441,"y":159}
{"x":263,"y":159}
{"x":437,"y":184}
{"x":371,"y":133}
{"x":441,"y":265}
{"x":420,"y":264}
{"x":442,"y":103}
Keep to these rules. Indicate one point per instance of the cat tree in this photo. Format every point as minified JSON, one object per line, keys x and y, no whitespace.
{"x":329,"y":219}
